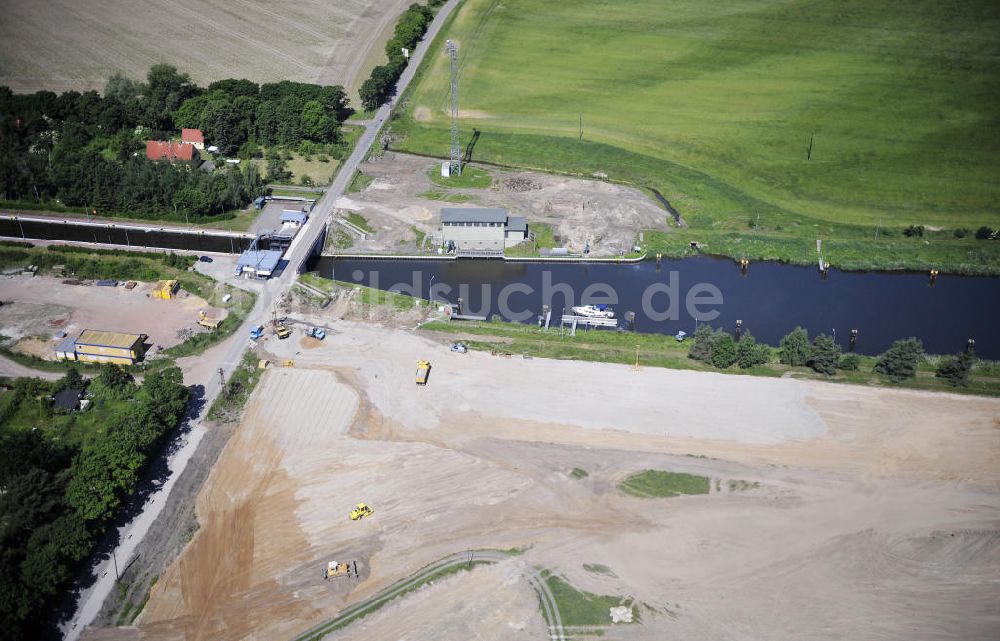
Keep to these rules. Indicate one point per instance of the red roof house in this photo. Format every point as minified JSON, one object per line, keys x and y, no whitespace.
{"x":171,"y":151}
{"x":193,"y":136}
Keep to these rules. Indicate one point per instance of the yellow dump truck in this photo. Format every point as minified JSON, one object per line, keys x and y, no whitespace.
{"x":205,"y":321}
{"x":423,"y":371}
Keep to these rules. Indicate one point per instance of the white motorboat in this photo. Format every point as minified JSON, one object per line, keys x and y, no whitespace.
{"x":594,"y":311}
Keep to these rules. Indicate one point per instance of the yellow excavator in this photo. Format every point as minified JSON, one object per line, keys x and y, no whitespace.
{"x":361,"y":511}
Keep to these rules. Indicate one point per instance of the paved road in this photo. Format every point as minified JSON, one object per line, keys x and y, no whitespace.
{"x":131,"y":534}
{"x":358,"y":610}
{"x":13,"y":369}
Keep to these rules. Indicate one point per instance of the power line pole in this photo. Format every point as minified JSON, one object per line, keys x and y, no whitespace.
{"x":456,"y":154}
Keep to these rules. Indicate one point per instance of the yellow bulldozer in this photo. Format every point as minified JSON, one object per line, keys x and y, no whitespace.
{"x":361,"y":511}
{"x":335,"y":569}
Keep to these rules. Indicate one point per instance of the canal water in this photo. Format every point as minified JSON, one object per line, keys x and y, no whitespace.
{"x":771,"y":299}
{"x":220,"y":242}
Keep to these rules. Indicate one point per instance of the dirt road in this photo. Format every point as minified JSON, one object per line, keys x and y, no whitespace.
{"x":835,"y":511}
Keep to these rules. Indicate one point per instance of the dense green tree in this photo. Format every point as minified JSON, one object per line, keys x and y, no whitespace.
{"x":750,"y":353}
{"x":701,"y":344}
{"x":794,"y":348}
{"x":724,"y":352}
{"x":824,"y":355}
{"x":900,"y":361}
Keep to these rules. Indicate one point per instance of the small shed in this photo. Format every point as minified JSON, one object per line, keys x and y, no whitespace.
{"x":294,"y":217}
{"x":66,"y":349}
{"x":67,"y":399}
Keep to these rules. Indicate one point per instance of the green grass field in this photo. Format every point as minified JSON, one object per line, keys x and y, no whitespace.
{"x":656,"y":483}
{"x":717,"y":104}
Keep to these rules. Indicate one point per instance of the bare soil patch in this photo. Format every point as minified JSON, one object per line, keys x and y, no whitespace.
{"x":43,"y":306}
{"x":860,"y":512}
{"x":607,"y":216}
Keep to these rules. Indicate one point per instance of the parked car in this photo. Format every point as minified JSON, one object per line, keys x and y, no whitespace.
{"x":459,"y":348}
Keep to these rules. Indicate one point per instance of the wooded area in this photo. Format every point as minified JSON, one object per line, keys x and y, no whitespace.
{"x":65,"y":473}
{"x":87,"y":150}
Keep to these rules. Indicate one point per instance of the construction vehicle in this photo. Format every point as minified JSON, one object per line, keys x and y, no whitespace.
{"x":423,"y":371}
{"x":205,"y":321}
{"x":166,"y":289}
{"x":335,"y":569}
{"x":256,"y":332}
{"x":316,"y":332}
{"x":263,"y":363}
{"x":282,"y":331}
{"x":361,"y":511}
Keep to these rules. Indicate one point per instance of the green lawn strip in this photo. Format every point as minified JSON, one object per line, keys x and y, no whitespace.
{"x":470,"y":178}
{"x":658,"y":350}
{"x":657,"y":483}
{"x":343,"y":622}
{"x":543,"y":237}
{"x":419,"y":235}
{"x":359,"y":182}
{"x":360,"y":222}
{"x":445,"y":196}
{"x":229,"y":404}
{"x":577,"y":607}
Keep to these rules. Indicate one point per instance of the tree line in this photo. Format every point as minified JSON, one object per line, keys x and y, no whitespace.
{"x":409,"y":30}
{"x":824,"y":356}
{"x":56,"y":499}
{"x":88,"y":150}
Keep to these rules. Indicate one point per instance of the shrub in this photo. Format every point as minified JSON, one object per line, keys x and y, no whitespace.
{"x":899,"y":362}
{"x":955,"y":369}
{"x":850,"y":362}
{"x":961,"y":232}
{"x":701,"y":347}
{"x":824,"y":355}
{"x":794,"y":349}
{"x":985,"y":233}
{"x":724,"y":352}
{"x":749,"y":352}
{"x":914,"y":231}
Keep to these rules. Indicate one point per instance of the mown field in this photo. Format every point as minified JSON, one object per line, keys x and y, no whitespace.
{"x":767,"y":124}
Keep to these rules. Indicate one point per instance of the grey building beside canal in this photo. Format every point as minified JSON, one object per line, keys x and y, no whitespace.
{"x":481,"y":231}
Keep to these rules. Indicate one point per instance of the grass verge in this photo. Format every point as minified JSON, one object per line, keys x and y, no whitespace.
{"x":229,"y":405}
{"x":470,"y":178}
{"x":657,"y":350}
{"x":577,"y":607}
{"x":657,"y":483}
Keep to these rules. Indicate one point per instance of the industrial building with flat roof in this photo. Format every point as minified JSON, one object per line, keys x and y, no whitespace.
{"x":256,"y":263}
{"x":102,"y":347}
{"x":481,"y":231}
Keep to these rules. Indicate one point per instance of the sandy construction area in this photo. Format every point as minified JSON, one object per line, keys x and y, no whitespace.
{"x":42,"y":306}
{"x":61,"y":45}
{"x":579,"y":211}
{"x":853,"y":512}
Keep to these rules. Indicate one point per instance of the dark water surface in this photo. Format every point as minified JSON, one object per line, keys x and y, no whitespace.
{"x":118,"y":235}
{"x":770,"y":300}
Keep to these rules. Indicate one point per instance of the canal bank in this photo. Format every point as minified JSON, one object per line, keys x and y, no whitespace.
{"x":770,"y":299}
{"x":126,"y":235}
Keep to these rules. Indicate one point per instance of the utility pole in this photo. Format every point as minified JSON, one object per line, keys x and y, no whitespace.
{"x":222,"y":379}
{"x":456,"y":155}
{"x":581,"y":127}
